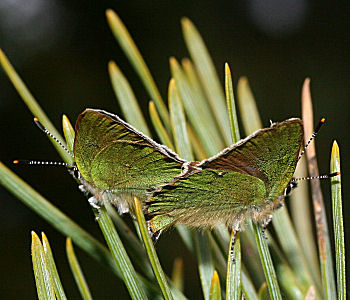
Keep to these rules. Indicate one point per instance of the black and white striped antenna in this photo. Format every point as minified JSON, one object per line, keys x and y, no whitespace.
{"x":42,"y":162}
{"x":318,"y":127}
{"x":293,"y":183}
{"x":43,"y":129}
{"x":316,"y":177}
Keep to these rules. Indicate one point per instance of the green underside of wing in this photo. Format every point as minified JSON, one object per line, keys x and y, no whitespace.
{"x":127,"y":167}
{"x":112,"y":157}
{"x":161,"y":222}
{"x":205,"y":197}
{"x":278,"y":160}
{"x":270,"y":155}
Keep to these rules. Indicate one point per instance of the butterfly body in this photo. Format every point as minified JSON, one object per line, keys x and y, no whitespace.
{"x":247,"y":179}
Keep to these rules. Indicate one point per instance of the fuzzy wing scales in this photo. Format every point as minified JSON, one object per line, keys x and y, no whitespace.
{"x":204,"y":199}
{"x":113,"y":156}
{"x":126,"y":166}
{"x":269,"y":154}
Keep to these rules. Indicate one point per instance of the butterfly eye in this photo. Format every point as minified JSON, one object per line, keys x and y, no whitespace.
{"x":291,"y":186}
{"x":76,"y":173}
{"x":287,"y":190}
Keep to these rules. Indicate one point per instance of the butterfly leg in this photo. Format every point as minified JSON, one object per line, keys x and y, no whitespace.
{"x":154,"y":235}
{"x":232,"y":249}
{"x":264,"y":225}
{"x":83,"y":190}
{"x":95,"y":204}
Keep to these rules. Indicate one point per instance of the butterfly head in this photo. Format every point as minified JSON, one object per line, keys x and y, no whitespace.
{"x":73,"y":170}
{"x":291,"y":186}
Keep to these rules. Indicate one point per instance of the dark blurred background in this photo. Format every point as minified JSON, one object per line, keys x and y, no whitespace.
{"x":61,"y":50}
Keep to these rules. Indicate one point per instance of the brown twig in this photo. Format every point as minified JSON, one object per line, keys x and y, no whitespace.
{"x":317,"y":197}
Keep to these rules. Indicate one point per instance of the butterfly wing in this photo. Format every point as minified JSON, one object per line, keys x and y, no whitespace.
{"x":204,"y":199}
{"x":111,"y":155}
{"x":269,"y":154}
{"x":244,"y":179}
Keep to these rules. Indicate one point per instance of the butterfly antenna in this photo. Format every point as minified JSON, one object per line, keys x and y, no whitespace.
{"x":41,"y":162}
{"x":317,"y":177}
{"x":43,"y":129}
{"x":294,"y":182}
{"x":318,"y":127}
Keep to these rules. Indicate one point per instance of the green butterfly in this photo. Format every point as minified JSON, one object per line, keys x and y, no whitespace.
{"x":247,"y":179}
{"x":115,"y":163}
